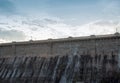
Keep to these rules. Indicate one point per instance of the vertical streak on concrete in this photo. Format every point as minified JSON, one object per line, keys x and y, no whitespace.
{"x":0,"y":51}
{"x":119,"y":56}
{"x":95,"y":47}
{"x":51,"y":48}
{"x":14,"y":49}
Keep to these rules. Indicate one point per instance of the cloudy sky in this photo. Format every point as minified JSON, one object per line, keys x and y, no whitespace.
{"x":22,"y":20}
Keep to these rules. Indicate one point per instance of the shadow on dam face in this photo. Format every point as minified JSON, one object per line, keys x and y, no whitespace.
{"x":65,"y":69}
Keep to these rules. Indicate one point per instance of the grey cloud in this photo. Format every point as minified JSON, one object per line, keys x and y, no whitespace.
{"x":11,"y":35}
{"x":39,"y":23}
{"x":106,"y":23}
{"x":50,"y":20}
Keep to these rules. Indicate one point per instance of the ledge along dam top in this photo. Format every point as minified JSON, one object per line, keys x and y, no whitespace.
{"x":91,"y":59}
{"x":94,"y":44}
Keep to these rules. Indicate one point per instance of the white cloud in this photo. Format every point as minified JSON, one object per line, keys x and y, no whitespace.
{"x":2,"y":40}
{"x":50,"y":27}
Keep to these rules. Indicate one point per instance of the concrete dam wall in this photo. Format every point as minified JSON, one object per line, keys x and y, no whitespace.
{"x":92,"y":59}
{"x":104,"y":44}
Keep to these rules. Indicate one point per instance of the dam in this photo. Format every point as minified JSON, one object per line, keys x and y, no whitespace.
{"x":87,"y":59}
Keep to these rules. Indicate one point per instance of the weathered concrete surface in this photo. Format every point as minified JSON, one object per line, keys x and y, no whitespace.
{"x":66,"y":69}
{"x":94,"y":59}
{"x":103,"y":44}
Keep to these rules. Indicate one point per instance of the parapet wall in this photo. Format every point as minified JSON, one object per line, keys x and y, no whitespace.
{"x":103,"y":44}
